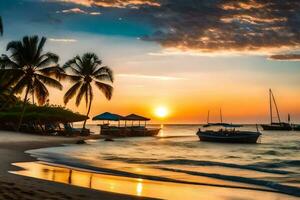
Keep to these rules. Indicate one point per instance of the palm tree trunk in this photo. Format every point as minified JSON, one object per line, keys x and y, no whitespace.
{"x":23,"y":108}
{"x":87,"y":115}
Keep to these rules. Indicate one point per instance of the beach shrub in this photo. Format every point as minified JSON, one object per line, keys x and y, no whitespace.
{"x":46,"y":114}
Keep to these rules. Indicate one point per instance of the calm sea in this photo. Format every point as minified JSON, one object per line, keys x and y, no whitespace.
{"x":178,"y":155}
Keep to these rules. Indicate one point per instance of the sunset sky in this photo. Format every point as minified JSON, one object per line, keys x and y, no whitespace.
{"x":189,"y":56}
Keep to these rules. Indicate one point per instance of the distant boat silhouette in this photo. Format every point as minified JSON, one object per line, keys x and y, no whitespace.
{"x":296,"y":127}
{"x":227,"y":133}
{"x":275,"y":126}
{"x":221,"y":122}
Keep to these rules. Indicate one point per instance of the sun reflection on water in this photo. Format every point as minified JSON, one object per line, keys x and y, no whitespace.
{"x":139,"y":189}
{"x":131,"y":186}
{"x":161,"y":132}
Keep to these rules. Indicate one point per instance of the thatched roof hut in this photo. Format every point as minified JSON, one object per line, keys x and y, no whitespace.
{"x":134,"y":117}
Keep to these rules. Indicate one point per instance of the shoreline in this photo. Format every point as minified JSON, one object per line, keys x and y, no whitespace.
{"x":14,"y":183}
{"x":12,"y":150}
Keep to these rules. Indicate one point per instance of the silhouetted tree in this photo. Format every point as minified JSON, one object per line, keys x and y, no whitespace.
{"x":85,"y":71}
{"x":31,"y":69}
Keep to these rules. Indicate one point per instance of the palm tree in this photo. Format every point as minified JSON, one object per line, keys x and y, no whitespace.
{"x":31,"y":69}
{"x":87,"y":70}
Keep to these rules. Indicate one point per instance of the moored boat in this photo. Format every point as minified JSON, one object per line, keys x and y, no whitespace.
{"x":277,"y":127}
{"x":221,"y":123}
{"x":228,"y":136}
{"x":139,"y":130}
{"x":128,"y":131}
{"x":280,"y":126}
{"x":226,"y":133}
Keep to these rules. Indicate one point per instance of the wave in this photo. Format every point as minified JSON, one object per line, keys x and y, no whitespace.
{"x":286,"y":189}
{"x":274,"y":187}
{"x":204,"y":163}
{"x":285,"y":163}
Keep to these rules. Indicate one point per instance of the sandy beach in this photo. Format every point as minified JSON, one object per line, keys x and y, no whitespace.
{"x":12,"y":147}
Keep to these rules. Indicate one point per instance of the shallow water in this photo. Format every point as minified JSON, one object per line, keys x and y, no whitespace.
{"x":178,"y":156}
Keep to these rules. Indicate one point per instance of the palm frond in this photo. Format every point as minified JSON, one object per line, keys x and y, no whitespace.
{"x":6,"y":62}
{"x":56,"y":71}
{"x":40,"y":91}
{"x":79,"y":60}
{"x":104,"y":74}
{"x":49,"y":81}
{"x":105,"y":88}
{"x":88,"y":63}
{"x":103,"y":77}
{"x":73,"y":78}
{"x":82,"y":91}
{"x":74,"y":66}
{"x":47,"y":60}
{"x":75,"y":71}
{"x":40,"y":47}
{"x":23,"y":83}
{"x":71,"y":92}
{"x":30,"y":46}
{"x":9,"y":77}
{"x":15,"y":47}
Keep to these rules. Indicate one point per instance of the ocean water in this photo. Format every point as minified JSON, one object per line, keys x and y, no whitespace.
{"x":178,"y":156}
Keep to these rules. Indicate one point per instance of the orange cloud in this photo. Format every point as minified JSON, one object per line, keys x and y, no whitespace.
{"x":252,"y":19}
{"x":113,"y":3}
{"x":285,"y":57}
{"x":78,"y":11}
{"x":236,"y":5}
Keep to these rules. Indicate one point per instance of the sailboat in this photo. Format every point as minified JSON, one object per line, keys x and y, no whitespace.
{"x":226,"y":133}
{"x":275,"y":126}
{"x":221,"y":123}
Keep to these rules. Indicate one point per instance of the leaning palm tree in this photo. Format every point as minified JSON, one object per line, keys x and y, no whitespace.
{"x":31,"y":69}
{"x":87,"y":70}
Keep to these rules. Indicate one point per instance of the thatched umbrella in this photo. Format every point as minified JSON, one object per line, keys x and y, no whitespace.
{"x":134,"y":117}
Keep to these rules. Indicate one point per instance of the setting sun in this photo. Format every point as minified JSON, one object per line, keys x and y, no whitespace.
{"x":161,"y":112}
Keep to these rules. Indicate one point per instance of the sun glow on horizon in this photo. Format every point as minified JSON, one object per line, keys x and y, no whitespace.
{"x":161,"y":112}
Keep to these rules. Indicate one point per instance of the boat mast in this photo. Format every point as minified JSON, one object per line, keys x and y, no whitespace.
{"x":276,"y":107}
{"x":208,"y":117}
{"x":221,"y":117}
{"x":270,"y":99}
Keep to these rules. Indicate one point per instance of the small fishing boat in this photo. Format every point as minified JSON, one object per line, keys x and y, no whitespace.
{"x":127,"y":130}
{"x":226,"y":133}
{"x":228,"y":136}
{"x":275,"y":126}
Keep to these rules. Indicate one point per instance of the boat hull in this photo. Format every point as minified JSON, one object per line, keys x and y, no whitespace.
{"x":296,"y":128}
{"x":127,"y":132}
{"x":271,"y":127}
{"x":222,"y":137}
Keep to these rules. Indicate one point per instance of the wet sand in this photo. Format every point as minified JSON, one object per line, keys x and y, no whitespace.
{"x":12,"y":147}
